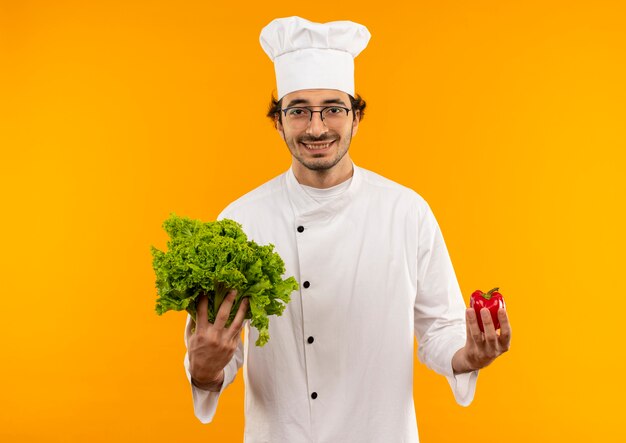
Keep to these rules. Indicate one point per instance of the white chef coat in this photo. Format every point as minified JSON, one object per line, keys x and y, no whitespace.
{"x":374,"y":272}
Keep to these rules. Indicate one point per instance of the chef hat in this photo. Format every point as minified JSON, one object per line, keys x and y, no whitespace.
{"x":309,"y":55}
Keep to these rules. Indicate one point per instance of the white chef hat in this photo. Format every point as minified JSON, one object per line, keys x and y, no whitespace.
{"x":309,"y":55}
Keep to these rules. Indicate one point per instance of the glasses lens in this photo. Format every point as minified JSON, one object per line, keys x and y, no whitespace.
{"x":298,"y":116}
{"x":334,"y":114}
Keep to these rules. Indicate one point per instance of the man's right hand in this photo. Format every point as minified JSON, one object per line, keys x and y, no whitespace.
{"x":212,"y":346}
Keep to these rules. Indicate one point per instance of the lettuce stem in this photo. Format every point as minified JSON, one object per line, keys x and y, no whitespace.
{"x":220,"y":294}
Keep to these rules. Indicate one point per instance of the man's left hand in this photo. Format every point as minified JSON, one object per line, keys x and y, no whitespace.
{"x":482,"y":348}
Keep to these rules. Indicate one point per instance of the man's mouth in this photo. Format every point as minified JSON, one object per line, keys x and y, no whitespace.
{"x":317,"y":146}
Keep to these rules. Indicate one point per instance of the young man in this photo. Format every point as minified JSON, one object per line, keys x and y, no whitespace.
{"x":372,"y":264}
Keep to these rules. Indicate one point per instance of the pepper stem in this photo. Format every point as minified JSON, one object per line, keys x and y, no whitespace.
{"x":488,"y":295}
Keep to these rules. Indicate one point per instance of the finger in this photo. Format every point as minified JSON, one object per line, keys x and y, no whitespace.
{"x":472,"y":324}
{"x":202,"y":312}
{"x":224,"y":312}
{"x":491,"y":337}
{"x":505,"y":330}
{"x":190,"y":327}
{"x":237,"y":323}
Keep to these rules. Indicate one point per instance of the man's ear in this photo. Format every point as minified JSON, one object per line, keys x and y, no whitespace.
{"x":279,"y":127}
{"x":355,"y":122}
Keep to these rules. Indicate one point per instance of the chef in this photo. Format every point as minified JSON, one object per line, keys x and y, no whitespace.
{"x":372,"y":264}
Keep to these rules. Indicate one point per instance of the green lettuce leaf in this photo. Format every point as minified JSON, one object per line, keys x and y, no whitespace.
{"x":213,"y":258}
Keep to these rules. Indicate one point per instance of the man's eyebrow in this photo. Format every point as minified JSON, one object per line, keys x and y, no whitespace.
{"x":301,"y":101}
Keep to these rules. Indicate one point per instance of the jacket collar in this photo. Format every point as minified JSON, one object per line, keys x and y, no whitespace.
{"x":305,"y":208}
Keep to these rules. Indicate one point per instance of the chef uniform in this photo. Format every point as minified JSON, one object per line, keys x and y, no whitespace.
{"x":374,"y":273}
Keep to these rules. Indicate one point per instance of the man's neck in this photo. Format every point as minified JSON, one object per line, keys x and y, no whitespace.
{"x":323,"y":179}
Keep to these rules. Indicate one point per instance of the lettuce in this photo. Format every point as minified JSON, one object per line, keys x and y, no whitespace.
{"x":213,"y":258}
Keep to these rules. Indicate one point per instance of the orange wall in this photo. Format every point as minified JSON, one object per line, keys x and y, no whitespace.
{"x":508,"y":117}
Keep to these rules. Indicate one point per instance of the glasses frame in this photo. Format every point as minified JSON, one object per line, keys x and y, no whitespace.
{"x":308,"y":108}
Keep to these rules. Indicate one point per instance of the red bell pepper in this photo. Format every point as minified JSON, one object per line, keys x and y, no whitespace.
{"x":492,"y":300}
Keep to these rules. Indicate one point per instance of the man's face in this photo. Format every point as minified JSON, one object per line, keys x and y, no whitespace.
{"x":307,"y":144}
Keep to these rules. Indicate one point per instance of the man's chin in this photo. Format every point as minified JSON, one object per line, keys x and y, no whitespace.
{"x":321,"y":165}
{"x":322,"y":161}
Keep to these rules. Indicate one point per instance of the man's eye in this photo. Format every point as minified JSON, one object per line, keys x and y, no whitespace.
{"x":335,"y":110}
{"x":295,"y":112}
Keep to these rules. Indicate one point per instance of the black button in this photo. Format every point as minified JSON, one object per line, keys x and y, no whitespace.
{"x":300,"y":228}
{"x":311,"y":339}
{"x":314,"y":395}
{"x":306,"y":284}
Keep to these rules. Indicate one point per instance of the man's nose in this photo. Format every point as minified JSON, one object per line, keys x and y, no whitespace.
{"x":316,"y":125}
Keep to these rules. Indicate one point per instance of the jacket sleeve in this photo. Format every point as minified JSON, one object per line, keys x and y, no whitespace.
{"x":440,"y":309}
{"x":205,"y":402}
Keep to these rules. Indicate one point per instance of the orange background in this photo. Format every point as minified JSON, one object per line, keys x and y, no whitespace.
{"x":507,"y":117}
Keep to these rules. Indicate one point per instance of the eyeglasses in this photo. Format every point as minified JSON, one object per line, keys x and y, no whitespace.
{"x":298,"y":116}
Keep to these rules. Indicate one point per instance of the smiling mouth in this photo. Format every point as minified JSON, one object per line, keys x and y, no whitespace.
{"x":318,"y":146}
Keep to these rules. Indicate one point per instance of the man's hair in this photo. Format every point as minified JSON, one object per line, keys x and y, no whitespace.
{"x":358,"y":104}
